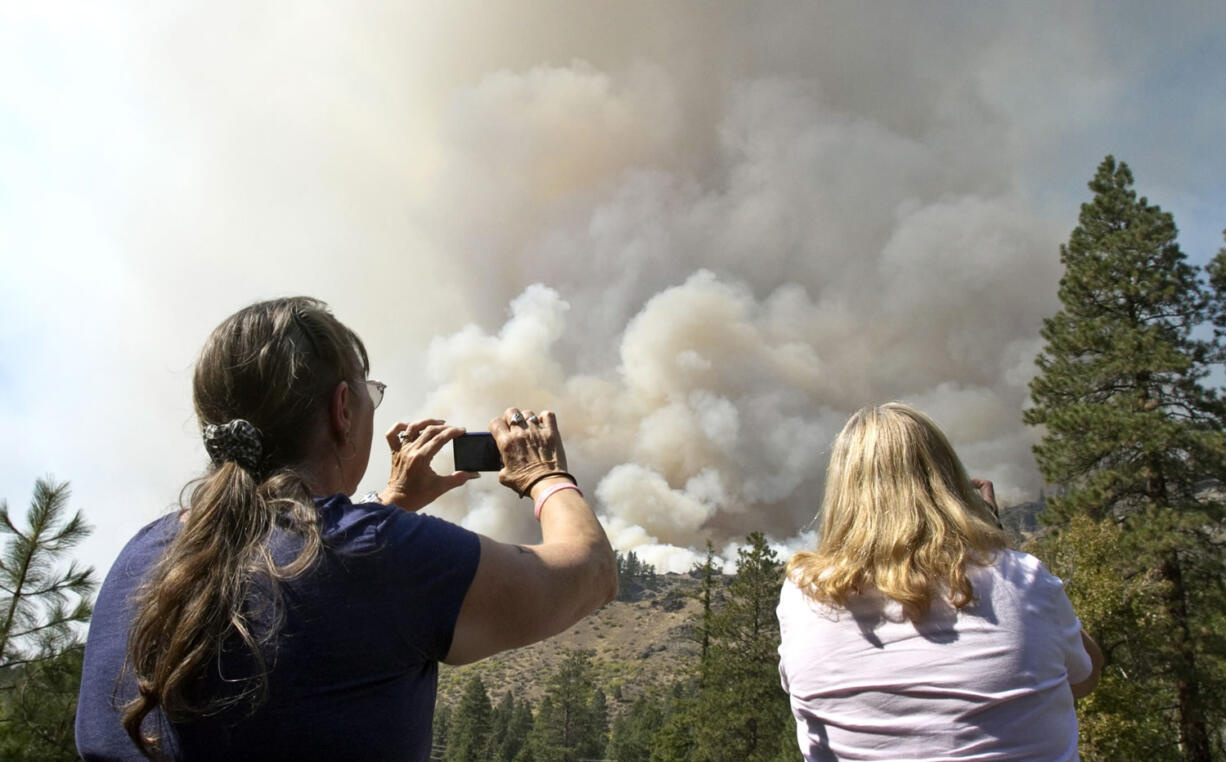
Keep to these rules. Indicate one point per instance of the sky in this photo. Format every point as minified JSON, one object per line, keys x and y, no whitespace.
{"x":703,"y":233}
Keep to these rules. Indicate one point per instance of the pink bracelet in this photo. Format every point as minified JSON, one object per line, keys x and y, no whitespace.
{"x":536,"y":508}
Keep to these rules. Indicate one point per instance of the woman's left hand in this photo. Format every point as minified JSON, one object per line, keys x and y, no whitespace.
{"x":413,"y":483}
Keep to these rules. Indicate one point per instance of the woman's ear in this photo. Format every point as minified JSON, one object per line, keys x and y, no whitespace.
{"x":340,"y":415}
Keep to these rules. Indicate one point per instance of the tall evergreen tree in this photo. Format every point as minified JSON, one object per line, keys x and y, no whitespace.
{"x":40,"y":603}
{"x":566,"y":726}
{"x":1132,"y":435}
{"x":546,"y":740}
{"x":741,"y":711}
{"x":469,"y":732}
{"x":44,"y":598}
{"x":513,"y":742}
{"x":441,"y":727}
{"x":709,"y":577}
{"x":633,"y":576}
{"x":674,"y":740}
{"x":596,"y":733}
{"x":633,"y":731}
{"x":500,"y":720}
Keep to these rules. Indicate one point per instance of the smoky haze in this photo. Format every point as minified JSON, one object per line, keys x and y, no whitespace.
{"x":702,"y":233}
{"x":715,"y":250}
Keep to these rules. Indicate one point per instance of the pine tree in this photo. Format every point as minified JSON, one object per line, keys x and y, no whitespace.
{"x":741,"y":711}
{"x":38,"y":709}
{"x":1132,"y":436}
{"x":546,"y":740}
{"x":674,"y":740}
{"x":633,"y":576}
{"x":469,"y":731}
{"x":42,"y":605}
{"x":441,"y":727}
{"x":500,"y":720}
{"x":37,"y":610}
{"x":633,"y":731}
{"x":596,"y":735}
{"x":566,"y":726}
{"x":709,"y":577}
{"x":514,"y":741}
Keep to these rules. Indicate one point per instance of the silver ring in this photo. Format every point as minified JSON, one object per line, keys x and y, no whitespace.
{"x":517,"y":418}
{"x":403,"y":436}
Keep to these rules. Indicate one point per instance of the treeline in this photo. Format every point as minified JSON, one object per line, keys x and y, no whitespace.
{"x":730,"y":707}
{"x":633,"y":576}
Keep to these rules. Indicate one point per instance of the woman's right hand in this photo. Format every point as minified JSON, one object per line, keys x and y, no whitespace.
{"x":413,"y":483}
{"x":988,"y":492}
{"x":531,"y":448}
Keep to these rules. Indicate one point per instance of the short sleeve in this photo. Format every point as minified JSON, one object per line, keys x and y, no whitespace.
{"x":1068,"y":629}
{"x":429,"y":565}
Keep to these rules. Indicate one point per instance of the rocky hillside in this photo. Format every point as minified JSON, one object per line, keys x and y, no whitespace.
{"x":642,"y":644}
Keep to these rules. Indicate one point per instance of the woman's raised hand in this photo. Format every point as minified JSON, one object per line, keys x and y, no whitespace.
{"x":988,"y":492}
{"x":414,"y":483}
{"x":531,"y":448}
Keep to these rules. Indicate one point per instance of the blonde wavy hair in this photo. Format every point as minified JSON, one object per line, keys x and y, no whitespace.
{"x":899,"y":516}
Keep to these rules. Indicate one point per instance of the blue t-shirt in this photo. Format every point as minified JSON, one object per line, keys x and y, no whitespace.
{"x":354,"y":669}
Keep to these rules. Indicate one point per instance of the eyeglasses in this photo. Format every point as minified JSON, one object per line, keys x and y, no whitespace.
{"x":376,"y":389}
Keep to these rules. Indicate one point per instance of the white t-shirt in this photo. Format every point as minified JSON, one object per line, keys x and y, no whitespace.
{"x":989,"y":681}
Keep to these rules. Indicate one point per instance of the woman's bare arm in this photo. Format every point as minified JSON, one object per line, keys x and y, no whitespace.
{"x":523,"y":594}
{"x":1083,"y":689}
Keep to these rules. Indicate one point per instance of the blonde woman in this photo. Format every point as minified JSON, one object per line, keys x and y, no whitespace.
{"x":912,"y":632}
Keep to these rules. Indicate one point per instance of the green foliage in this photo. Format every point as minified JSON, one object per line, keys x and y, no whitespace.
{"x":633,"y":576}
{"x":442,"y":725}
{"x":675,"y":740}
{"x":38,"y":708}
{"x":507,"y":747}
{"x":572,"y":721}
{"x":1128,"y":716}
{"x":1119,"y":390}
{"x":1132,"y":437}
{"x":41,"y":606}
{"x":468,"y":735}
{"x":741,"y":711}
{"x":633,"y":731}
{"x":37,"y":608}
{"x":710,"y":577}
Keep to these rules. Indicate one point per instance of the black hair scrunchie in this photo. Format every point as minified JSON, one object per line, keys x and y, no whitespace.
{"x":236,"y":441}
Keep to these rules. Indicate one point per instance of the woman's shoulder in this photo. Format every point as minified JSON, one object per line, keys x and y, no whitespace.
{"x":373,"y":525}
{"x":1023,"y":570}
{"x":147,"y":544}
{"x":794,"y":600}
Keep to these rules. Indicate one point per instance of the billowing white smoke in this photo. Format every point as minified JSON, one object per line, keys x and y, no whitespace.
{"x":720,"y":228}
{"x":703,"y":334}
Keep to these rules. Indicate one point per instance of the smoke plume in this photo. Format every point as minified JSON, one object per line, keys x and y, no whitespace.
{"x":703,"y":233}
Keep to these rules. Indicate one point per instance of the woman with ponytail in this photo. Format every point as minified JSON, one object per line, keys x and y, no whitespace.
{"x":272,"y":617}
